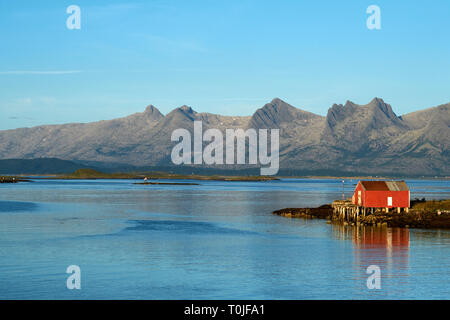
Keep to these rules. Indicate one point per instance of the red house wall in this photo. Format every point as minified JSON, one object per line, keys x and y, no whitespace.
{"x":378,"y":199}
{"x":355,"y":195}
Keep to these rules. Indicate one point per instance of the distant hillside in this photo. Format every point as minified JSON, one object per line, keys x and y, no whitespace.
{"x":38,"y":166}
{"x":45,"y":166}
{"x":352,"y":140}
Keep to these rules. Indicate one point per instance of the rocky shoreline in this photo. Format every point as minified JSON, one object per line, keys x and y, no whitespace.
{"x":427,"y":215}
{"x":13,"y":180}
{"x":322,"y":212}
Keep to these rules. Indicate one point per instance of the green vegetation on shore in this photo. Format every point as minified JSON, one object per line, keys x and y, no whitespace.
{"x":432,"y":206}
{"x":93,"y":174}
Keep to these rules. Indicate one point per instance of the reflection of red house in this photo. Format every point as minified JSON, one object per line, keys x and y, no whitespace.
{"x":381,"y":194}
{"x":381,"y":238}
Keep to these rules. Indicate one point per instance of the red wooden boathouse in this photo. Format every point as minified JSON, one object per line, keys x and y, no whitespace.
{"x":382,"y":194}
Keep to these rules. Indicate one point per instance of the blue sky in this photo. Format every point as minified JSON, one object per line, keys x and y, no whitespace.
{"x":228,"y":57}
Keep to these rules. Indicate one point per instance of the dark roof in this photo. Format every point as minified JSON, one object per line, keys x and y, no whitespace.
{"x":384,"y":185}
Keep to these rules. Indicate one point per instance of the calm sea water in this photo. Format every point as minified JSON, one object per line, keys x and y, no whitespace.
{"x":217,"y":240}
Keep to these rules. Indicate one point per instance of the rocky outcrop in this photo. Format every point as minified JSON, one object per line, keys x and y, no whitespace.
{"x":424,"y":214}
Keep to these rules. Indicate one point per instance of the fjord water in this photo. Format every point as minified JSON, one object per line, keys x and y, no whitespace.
{"x":217,"y":240}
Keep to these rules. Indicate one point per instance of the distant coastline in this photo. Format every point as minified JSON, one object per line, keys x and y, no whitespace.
{"x":57,"y":167}
{"x":91,"y":174}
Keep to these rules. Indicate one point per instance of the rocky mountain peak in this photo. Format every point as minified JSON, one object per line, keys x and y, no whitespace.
{"x":377,"y":100}
{"x":271,"y":115}
{"x":386,"y":110}
{"x":277,"y":102}
{"x":349,"y":104}
{"x":153,"y":112}
{"x":364,"y":137}
{"x":376,"y":111}
{"x":187,"y":109}
{"x":277,"y":112}
{"x":178,"y":116}
{"x":150,"y":108}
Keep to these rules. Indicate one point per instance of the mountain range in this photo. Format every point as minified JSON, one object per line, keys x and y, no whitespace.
{"x":351,"y":139}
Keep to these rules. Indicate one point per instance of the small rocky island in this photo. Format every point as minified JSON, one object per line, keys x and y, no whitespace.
{"x":423,"y":214}
{"x":168,"y":183}
{"x":4,"y":179}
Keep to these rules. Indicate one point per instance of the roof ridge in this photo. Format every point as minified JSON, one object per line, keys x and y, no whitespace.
{"x":383,"y":185}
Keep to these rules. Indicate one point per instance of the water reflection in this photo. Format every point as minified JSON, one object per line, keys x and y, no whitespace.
{"x":386,"y":247}
{"x":215,"y":241}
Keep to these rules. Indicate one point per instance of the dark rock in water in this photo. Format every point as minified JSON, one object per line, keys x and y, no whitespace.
{"x":322,"y":212}
{"x":169,"y":183}
{"x":423,"y":214}
{"x":412,"y":219}
{"x":12,"y":180}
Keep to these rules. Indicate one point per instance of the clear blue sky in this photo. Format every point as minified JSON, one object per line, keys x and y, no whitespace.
{"x":228,"y":57}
